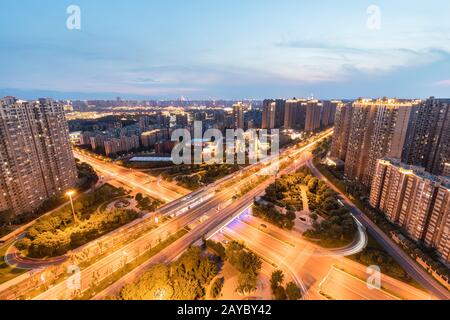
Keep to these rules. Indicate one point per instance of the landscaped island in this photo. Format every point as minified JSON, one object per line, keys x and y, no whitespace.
{"x":283,"y":199}
{"x":56,"y":234}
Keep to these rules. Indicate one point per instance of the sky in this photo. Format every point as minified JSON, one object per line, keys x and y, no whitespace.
{"x":225,"y":49}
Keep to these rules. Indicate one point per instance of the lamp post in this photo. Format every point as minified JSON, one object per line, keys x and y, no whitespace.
{"x":70,"y":194}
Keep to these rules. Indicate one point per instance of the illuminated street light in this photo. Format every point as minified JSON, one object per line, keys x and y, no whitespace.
{"x":70,"y":194}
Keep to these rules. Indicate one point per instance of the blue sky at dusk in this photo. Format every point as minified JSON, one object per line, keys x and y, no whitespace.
{"x":231,"y":49}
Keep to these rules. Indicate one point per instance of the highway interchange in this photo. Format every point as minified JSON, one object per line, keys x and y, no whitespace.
{"x":214,"y":211}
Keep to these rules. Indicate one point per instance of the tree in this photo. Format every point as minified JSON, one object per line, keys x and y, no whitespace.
{"x":139,"y":197}
{"x":232,"y":250}
{"x":6,"y":217}
{"x":216,"y":288}
{"x":247,"y":262}
{"x":247,"y":282}
{"x":280,"y":293}
{"x":312,"y":184}
{"x":276,"y":280}
{"x":153,"y":285}
{"x":293,"y":291}
{"x":23,"y":244}
{"x":291,"y":215}
{"x":217,"y":247}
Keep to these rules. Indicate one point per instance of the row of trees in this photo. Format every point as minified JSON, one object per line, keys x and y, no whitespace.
{"x":247,"y":263}
{"x":291,"y":292}
{"x":87,"y":176}
{"x":147,"y":203}
{"x":185,"y":279}
{"x":269,"y":213}
{"x":217,"y":286}
{"x":57,"y":233}
{"x":200,"y":175}
{"x":217,"y":248}
{"x":286,"y":192}
{"x":58,"y":242}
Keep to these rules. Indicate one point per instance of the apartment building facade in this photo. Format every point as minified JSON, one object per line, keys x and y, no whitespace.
{"x":295,"y":114}
{"x":342,"y":125}
{"x":429,"y":140}
{"x":238,"y":116}
{"x":378,"y":129}
{"x":36,"y":158}
{"x":313,"y":113}
{"x":416,"y":201}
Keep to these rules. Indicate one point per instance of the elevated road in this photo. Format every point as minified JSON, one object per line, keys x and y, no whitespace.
{"x":136,"y":180}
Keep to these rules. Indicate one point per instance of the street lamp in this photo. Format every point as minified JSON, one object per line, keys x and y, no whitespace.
{"x":70,"y":194}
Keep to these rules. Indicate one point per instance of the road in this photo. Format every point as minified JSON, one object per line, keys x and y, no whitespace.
{"x":341,"y":285}
{"x":136,"y":180}
{"x":101,"y":267}
{"x":170,"y":253}
{"x":214,"y":221}
{"x":315,"y":267}
{"x":411,"y":267}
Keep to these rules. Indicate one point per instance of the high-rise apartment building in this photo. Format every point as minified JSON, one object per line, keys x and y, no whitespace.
{"x":342,"y":125}
{"x":181,"y":120}
{"x":334,"y":105}
{"x":428,"y":144}
{"x":273,"y":113}
{"x":36,"y":160}
{"x":238,"y":115}
{"x":144,"y":122}
{"x":360,"y":136}
{"x":280,"y":110}
{"x":378,"y":129}
{"x":328,"y":112}
{"x":268,"y":114}
{"x":295,"y":114}
{"x":437,"y":233}
{"x":415,"y":200}
{"x":446,"y":170}
{"x":313,"y":110}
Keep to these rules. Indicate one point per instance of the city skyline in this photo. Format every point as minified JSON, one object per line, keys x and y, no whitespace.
{"x":254,"y":50}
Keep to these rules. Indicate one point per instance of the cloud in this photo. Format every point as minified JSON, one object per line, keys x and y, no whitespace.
{"x":443,"y":83}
